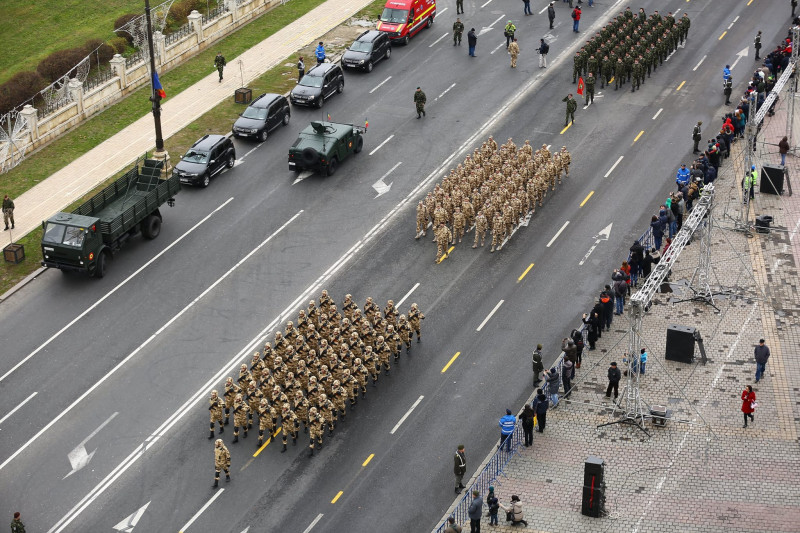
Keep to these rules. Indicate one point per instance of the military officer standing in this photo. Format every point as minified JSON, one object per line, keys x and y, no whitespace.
{"x":572,"y":105}
{"x":458,"y":30}
{"x":419,"y":101}
{"x":513,"y":51}
{"x":219,"y":63}
{"x":222,"y":461}
{"x":697,"y":136}
{"x":459,"y":7}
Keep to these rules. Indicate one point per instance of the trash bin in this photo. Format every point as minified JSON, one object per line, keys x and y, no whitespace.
{"x":243,"y":95}
{"x":14,"y":253}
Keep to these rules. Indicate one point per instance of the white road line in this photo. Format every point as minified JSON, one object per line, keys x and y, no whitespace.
{"x":736,"y":19}
{"x":291,"y":310}
{"x":397,"y":306}
{"x":610,"y":170}
{"x":389,"y":138}
{"x":397,"y":426}
{"x":548,"y":146}
{"x":253,"y":149}
{"x":379,"y":85}
{"x":112,"y":291}
{"x":497,"y":48}
{"x":14,"y":410}
{"x":445,"y":91}
{"x":149,"y":340}
{"x":437,"y":40}
{"x":203,"y":508}
{"x":658,"y":113}
{"x":486,"y":3}
{"x":319,"y":516}
{"x":544,"y":9}
{"x":485,"y":320}
{"x":496,"y":21}
{"x":699,"y":63}
{"x":557,"y":234}
{"x":730,"y":25}
{"x":441,"y":11}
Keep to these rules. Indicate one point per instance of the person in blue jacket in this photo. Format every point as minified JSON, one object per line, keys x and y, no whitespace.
{"x":683,"y":176}
{"x":507,"y":424}
{"x":319,"y":51}
{"x":726,"y":73}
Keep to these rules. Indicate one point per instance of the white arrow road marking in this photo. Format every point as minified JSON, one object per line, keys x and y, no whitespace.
{"x":489,"y":27}
{"x":78,"y":457}
{"x":238,"y":162}
{"x":314,"y":523}
{"x":437,"y":40}
{"x":742,"y":53}
{"x":127,"y":525}
{"x":245,"y":530}
{"x":601,"y":236}
{"x":380,"y":186}
{"x":303,"y":175}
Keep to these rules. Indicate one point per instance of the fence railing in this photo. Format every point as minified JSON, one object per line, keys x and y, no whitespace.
{"x":98,"y":78}
{"x":134,"y":58}
{"x":178,"y":34}
{"x":214,"y":13}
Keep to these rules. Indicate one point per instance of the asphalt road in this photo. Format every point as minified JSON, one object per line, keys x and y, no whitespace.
{"x":116,"y":367}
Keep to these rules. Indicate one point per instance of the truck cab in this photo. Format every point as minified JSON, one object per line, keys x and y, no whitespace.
{"x":402,"y":19}
{"x":69,"y":241}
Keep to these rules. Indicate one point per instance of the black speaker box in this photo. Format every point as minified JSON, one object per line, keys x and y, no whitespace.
{"x":593,"y":468}
{"x":592,"y":501}
{"x":771,"y":179}
{"x":680,"y":344}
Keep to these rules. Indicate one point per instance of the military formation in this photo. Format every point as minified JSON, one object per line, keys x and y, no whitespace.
{"x":311,"y":371}
{"x":494,"y":189}
{"x":629,"y":47}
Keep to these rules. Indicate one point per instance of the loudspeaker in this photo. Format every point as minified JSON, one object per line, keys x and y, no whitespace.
{"x":593,"y":495}
{"x":680,"y":344}
{"x":771,"y":179}
{"x":762,"y":223}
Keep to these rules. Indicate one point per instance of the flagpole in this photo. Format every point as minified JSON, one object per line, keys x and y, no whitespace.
{"x":155,"y":98}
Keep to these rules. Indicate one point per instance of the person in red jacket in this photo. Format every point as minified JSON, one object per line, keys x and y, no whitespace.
{"x":748,"y":403}
{"x":576,"y":18}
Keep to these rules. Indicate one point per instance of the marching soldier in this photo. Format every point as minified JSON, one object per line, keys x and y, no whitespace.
{"x":394,"y":342}
{"x":267,"y":420}
{"x":637,"y":75}
{"x":405,"y":332}
{"x":326,"y":408}
{"x":339,"y":396}
{"x":244,"y":377}
{"x":254,"y":396}
{"x":289,"y":425}
{"x":361,"y":374}
{"x":459,"y":223}
{"x":498,"y":231}
{"x":315,"y":423}
{"x":566,"y":159}
{"x":390,"y":313}
{"x":256,"y":366}
{"x":513,"y":51}
{"x":443,"y":238}
{"x":219,"y":64}
{"x":419,"y":101}
{"x":215,"y":410}
{"x":372,"y":364}
{"x":382,"y":351}
{"x":577,"y":66}
{"x":231,"y":390}
{"x":301,"y":406}
{"x":240,"y":411}
{"x":481,"y":224}
{"x":414,"y":317}
{"x":422,"y":220}
{"x":589,"y":82}
{"x":222,"y":461}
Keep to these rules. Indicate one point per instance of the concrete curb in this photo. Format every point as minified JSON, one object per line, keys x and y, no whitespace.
{"x":30,"y":277}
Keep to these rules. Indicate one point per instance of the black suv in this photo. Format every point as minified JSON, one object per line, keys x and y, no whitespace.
{"x":263,"y":115}
{"x":205,"y":159}
{"x":370,"y":47}
{"x":320,"y":83}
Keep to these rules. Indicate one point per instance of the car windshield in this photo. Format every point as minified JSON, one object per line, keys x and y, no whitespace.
{"x":394,"y":16}
{"x":258,"y":113}
{"x":311,"y":81}
{"x":360,"y":46}
{"x":61,"y":234}
{"x":196,"y":156}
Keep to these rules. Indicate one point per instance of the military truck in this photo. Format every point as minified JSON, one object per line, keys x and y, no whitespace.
{"x":85,"y":239}
{"x":321,"y":146}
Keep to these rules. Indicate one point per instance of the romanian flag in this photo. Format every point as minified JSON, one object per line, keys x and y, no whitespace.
{"x":366,"y":124}
{"x":329,"y":117}
{"x":580,"y":86}
{"x":157,"y":88}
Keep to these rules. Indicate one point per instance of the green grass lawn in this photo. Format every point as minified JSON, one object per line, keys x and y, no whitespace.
{"x":34,"y":29}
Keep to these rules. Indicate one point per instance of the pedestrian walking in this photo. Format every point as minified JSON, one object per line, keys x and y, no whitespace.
{"x":222,"y":461}
{"x":552,"y":381}
{"x":514,"y":511}
{"x":551,"y":14}
{"x":614,"y":376}
{"x":567,"y":370}
{"x":472,"y":41}
{"x":572,"y":105}
{"x":783,"y":148}
{"x":576,"y":18}
{"x":749,"y":404}
{"x":507,"y":424}
{"x":16,"y":525}
{"x":761,"y":354}
{"x":509,"y":32}
{"x":459,"y":467}
{"x":8,"y":211}
{"x":459,"y":7}
{"x":527,"y":417}
{"x":537,"y":364}
{"x":757,"y":43}
{"x":543,"y":50}
{"x":474,"y":512}
{"x":458,"y":29}
{"x":301,"y":68}
{"x":697,"y":136}
{"x":527,"y":7}
{"x":452,"y":527}
{"x":513,"y":51}
{"x":540,"y":406}
{"x":419,"y":102}
{"x":219,"y":63}
{"x":319,"y":52}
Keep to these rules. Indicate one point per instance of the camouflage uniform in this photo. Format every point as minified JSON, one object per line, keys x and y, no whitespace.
{"x":240,"y":412}
{"x":215,"y":410}
{"x":222,"y":461}
{"x":267,"y":420}
{"x":498,"y":231}
{"x":289,"y":425}
{"x":419,"y":101}
{"x":315,"y":423}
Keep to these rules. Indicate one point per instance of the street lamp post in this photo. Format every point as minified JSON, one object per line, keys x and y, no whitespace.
{"x":155,"y":98}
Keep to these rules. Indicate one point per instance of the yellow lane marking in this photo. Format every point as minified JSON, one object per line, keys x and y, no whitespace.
{"x":565,"y":128}
{"x":526,"y":271}
{"x":365,"y":463}
{"x":446,"y":254}
{"x":681,"y":85}
{"x":723,"y":35}
{"x":266,"y":443}
{"x":637,"y":137}
{"x":612,"y":79}
{"x":450,"y":362}
{"x":587,"y":197}
{"x":336,"y":497}
{"x":748,"y":3}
